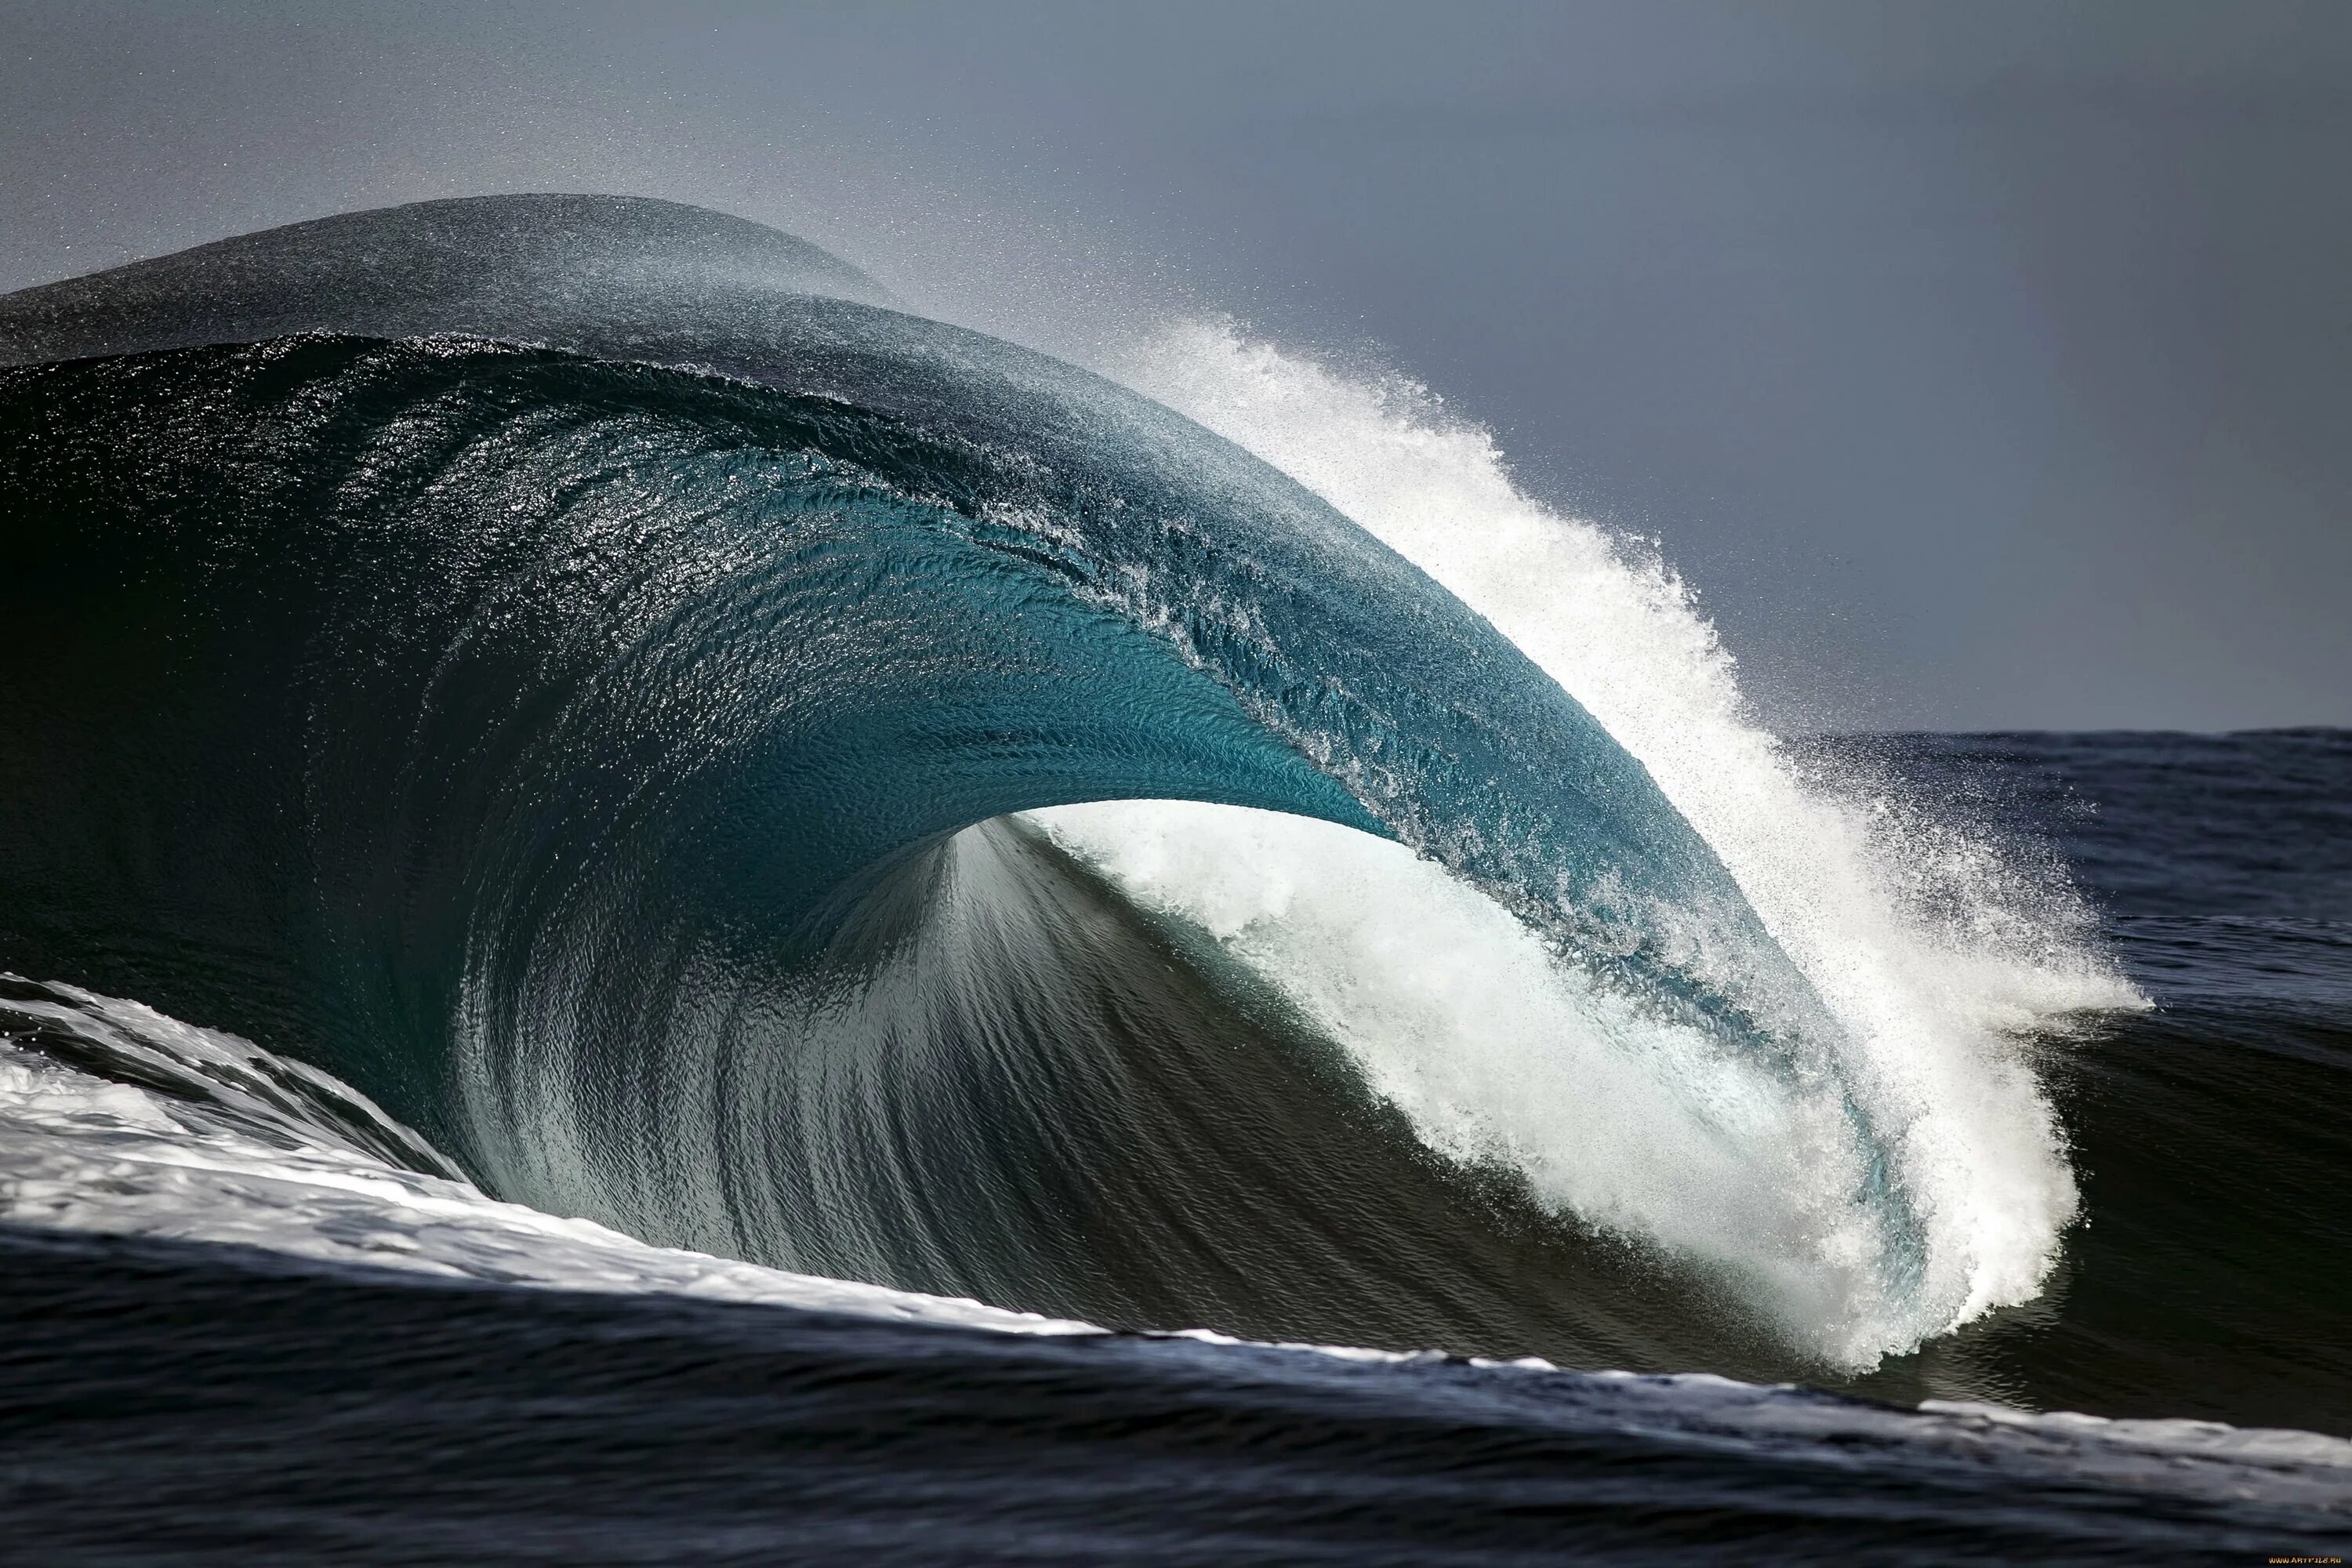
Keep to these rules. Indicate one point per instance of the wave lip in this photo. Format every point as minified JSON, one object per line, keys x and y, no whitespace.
{"x":1934,"y":944}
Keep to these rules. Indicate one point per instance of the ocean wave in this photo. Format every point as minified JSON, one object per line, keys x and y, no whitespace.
{"x":781,"y":777}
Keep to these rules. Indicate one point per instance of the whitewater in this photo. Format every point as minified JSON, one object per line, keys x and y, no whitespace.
{"x":1933,"y":945}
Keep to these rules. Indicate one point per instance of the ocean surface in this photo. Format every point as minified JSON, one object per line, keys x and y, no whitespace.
{"x":655,"y":911}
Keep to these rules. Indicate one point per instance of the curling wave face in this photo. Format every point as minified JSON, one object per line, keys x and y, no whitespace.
{"x":606,"y":753}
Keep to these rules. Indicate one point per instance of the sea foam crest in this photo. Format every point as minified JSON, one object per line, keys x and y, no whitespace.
{"x":1929,"y":943}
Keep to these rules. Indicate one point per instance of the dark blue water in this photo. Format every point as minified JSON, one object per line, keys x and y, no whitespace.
{"x":2211,"y":1134}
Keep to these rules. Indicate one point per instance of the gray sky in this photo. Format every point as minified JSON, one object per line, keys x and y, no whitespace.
{"x":1983,"y":364}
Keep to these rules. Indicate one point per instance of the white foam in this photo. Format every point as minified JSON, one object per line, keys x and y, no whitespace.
{"x":1927,"y":943}
{"x":226,"y":1161}
{"x":1456,"y":1013}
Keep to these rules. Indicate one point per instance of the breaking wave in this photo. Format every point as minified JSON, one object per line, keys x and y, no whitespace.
{"x":775,"y":776}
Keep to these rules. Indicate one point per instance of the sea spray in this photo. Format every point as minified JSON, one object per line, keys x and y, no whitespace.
{"x":1929,"y":942}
